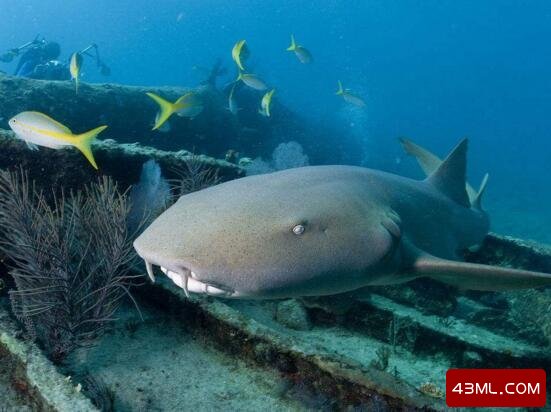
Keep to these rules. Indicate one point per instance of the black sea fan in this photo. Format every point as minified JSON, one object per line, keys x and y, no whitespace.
{"x":70,"y":260}
{"x":194,"y":176}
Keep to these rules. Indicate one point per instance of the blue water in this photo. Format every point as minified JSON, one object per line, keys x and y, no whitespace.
{"x":434,"y":71}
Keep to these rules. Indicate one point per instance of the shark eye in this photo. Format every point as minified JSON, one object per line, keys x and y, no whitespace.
{"x":299,"y":230}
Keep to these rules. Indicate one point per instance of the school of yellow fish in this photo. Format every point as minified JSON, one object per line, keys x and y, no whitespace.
{"x":38,"y":129}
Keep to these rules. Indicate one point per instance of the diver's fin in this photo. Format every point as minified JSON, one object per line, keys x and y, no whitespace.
{"x":449,"y":177}
{"x":477,"y":201}
{"x":293,"y":45}
{"x":478,"y":277}
{"x":166,"y":109}
{"x":84,"y":143}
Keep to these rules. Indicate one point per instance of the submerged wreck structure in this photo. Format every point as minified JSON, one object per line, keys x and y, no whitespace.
{"x":383,"y":348}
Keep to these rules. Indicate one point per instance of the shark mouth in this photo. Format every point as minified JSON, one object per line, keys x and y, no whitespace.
{"x":188,"y":281}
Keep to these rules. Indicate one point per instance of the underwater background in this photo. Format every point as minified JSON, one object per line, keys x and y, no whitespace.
{"x":433,"y":71}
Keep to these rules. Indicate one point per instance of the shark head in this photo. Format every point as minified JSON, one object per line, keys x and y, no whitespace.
{"x":297,"y":232}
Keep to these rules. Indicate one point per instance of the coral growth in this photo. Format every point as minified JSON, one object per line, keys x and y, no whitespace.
{"x":289,"y":155}
{"x":529,"y":309}
{"x":382,"y":358}
{"x":69,"y":258}
{"x":430,"y":389}
{"x":150,"y":196}
{"x":285,"y":156}
{"x":292,"y":314}
{"x":194,"y":176}
{"x":98,"y":392}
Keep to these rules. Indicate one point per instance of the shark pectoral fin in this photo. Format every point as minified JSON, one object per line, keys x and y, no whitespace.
{"x":427,"y":160}
{"x":475,"y":276}
{"x":477,"y":201}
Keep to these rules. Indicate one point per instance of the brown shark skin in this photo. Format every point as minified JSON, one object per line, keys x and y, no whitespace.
{"x":244,"y":227}
{"x":362,"y":227}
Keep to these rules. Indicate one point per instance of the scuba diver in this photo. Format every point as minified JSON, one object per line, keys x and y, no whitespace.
{"x":38,"y":59}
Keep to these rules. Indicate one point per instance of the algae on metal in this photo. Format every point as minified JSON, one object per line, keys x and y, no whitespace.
{"x":130,"y":115}
{"x":35,"y":377}
{"x":338,"y":354}
{"x":68,"y":169}
{"x":345,"y":382}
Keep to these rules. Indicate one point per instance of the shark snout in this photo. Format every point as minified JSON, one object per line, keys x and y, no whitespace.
{"x":179,"y":272}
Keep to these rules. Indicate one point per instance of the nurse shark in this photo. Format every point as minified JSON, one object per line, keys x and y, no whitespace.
{"x":324,"y":230}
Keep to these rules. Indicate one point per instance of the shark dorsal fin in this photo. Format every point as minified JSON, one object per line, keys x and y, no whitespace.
{"x":477,"y":201}
{"x":450,"y":176}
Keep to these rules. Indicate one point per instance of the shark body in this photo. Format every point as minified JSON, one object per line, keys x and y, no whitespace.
{"x":324,"y":230}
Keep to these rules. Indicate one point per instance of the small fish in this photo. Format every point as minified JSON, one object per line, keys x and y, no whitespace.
{"x":302,"y":53}
{"x":240,"y":53}
{"x":37,"y":129}
{"x":189,"y":105}
{"x":74,"y":67}
{"x":165,"y":128}
{"x":232,"y":103}
{"x":252,"y":81}
{"x":266,"y":103}
{"x":349,"y":97}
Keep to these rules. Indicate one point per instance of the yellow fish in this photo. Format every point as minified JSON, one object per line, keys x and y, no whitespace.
{"x":304,"y":56}
{"x":266,"y":103}
{"x":349,"y":97}
{"x":252,"y":80}
{"x":232,"y":103}
{"x":240,"y":53}
{"x":189,"y":105}
{"x":37,"y":129}
{"x":74,"y":67}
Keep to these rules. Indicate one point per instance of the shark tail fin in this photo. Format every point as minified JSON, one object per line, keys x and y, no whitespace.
{"x":450,"y":177}
{"x":475,"y":276}
{"x":477,"y":201}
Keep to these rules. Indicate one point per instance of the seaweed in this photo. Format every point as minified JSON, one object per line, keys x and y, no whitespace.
{"x":70,"y":260}
{"x":98,"y":392}
{"x":194,"y":176}
{"x":381,"y":362}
